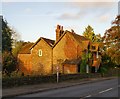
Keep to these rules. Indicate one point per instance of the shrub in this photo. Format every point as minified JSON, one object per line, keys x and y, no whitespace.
{"x":9,"y":63}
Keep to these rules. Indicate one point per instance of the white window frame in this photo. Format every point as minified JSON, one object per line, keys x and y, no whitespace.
{"x":40,"y":52}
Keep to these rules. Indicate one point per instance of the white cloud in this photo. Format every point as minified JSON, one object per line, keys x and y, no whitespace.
{"x":104,"y":18}
{"x":85,"y":9}
{"x":68,"y":16}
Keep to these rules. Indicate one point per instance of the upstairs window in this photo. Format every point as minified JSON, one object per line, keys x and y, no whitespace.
{"x":39,"y":52}
{"x":93,"y":47}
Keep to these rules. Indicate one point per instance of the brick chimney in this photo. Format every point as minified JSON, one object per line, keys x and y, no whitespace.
{"x":59,"y":32}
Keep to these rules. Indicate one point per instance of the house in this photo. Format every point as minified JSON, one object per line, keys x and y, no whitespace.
{"x":36,"y":58}
{"x":64,"y":54}
{"x":41,"y":55}
{"x":69,"y":46}
{"x":24,"y":59}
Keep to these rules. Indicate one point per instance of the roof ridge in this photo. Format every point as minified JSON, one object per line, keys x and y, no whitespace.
{"x":47,"y":39}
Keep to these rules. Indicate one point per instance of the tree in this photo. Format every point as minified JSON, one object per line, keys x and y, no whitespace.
{"x":9,"y":62}
{"x":111,"y":41}
{"x":6,"y":37}
{"x":85,"y":60}
{"x":17,"y":47}
{"x":89,"y":33}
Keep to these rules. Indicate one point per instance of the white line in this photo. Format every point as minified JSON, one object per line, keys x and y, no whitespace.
{"x":88,"y":96}
{"x":106,"y":90}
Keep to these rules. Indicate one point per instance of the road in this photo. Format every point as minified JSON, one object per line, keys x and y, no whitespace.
{"x":106,"y":88}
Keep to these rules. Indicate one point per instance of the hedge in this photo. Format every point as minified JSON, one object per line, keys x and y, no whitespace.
{"x":30,"y":80}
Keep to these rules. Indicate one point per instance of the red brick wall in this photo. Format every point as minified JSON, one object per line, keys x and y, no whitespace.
{"x":67,"y":48}
{"x":25,"y":63}
{"x":70,"y":47}
{"x":42,"y":64}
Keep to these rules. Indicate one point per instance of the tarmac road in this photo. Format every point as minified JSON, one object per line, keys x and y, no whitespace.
{"x":105,"y":88}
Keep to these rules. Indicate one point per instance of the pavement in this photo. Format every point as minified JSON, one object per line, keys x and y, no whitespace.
{"x":30,"y":89}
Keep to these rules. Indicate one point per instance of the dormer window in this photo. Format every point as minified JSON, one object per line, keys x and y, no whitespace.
{"x":93,"y":47}
{"x":39,"y":52}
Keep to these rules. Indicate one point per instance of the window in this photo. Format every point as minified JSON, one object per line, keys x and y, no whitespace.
{"x":93,"y":47}
{"x":39,"y":52}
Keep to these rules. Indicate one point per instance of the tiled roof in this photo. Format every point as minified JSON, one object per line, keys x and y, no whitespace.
{"x":83,"y":42}
{"x":26,"y":48}
{"x":72,"y":61}
{"x":77,"y":37}
{"x":48,"y":41}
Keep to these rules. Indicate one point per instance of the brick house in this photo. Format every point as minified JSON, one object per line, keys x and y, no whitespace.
{"x":39,"y":58}
{"x":45,"y":55}
{"x":70,"y":47}
{"x":24,"y":59}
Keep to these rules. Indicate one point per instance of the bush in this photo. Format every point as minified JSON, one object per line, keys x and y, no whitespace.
{"x":9,"y":63}
{"x":30,"y":80}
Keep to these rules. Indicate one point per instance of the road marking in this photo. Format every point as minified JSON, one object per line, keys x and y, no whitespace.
{"x":106,"y":90}
{"x":88,"y":96}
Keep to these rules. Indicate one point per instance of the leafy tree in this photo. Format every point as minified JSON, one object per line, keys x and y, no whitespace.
{"x":89,"y":33}
{"x":6,"y":37}
{"x":9,"y":62}
{"x":17,"y":47}
{"x":111,"y":41}
{"x":85,"y":60}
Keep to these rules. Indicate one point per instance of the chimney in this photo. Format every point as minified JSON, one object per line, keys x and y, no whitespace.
{"x":59,"y":32}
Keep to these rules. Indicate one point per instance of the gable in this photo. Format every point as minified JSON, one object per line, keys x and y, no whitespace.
{"x":80,"y":40}
{"x":49,"y":42}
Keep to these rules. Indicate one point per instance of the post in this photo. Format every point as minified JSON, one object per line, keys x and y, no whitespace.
{"x":95,"y":69}
{"x":87,"y":68}
{"x":57,"y":74}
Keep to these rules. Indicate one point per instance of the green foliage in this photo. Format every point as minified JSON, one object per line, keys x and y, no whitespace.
{"x":111,"y":41}
{"x":106,"y":64}
{"x":32,"y":79}
{"x":89,"y":33}
{"x":9,"y":63}
{"x":6,"y":37}
{"x":17,"y":47}
{"x":85,"y":61}
{"x":83,"y":66}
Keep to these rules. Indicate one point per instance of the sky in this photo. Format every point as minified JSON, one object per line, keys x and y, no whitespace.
{"x":34,"y":19}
